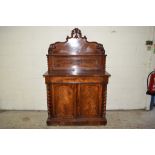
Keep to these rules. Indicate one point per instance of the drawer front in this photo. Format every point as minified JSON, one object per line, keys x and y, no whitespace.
{"x":77,"y":79}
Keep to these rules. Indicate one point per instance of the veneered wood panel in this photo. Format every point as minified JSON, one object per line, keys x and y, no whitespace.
{"x":78,"y":79}
{"x":89,"y":100}
{"x":85,"y":62}
{"x":64,"y":100}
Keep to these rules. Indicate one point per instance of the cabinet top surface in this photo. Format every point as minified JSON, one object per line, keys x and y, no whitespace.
{"x":77,"y":73}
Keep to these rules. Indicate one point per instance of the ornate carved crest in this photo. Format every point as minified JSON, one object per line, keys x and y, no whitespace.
{"x":76,"y":33}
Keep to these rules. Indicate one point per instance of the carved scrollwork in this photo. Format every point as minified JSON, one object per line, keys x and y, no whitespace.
{"x":49,"y":101}
{"x":100,"y":46}
{"x":104,"y":99}
{"x":52,"y":46}
{"x":76,"y":33}
{"x":83,"y":44}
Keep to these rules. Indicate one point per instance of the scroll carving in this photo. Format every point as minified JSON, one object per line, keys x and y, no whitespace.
{"x":76,"y":33}
{"x":83,"y":45}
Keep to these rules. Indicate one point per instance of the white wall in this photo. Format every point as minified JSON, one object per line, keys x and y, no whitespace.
{"x":23,"y":61}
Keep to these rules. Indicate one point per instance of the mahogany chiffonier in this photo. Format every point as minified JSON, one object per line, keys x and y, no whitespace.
{"x":76,"y":82}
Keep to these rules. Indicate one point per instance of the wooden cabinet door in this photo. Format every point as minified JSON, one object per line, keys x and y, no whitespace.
{"x":89,"y":100}
{"x":64,"y":100}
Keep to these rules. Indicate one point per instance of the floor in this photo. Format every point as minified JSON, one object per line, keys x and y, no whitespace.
{"x":116,"y":119}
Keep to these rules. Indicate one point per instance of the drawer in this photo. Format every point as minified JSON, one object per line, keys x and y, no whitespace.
{"x":77,"y":79}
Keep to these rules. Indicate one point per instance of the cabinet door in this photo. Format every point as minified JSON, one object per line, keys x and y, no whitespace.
{"x":64,"y":100}
{"x":89,"y":100}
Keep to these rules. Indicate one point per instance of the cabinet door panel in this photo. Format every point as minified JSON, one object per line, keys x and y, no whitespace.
{"x":64,"y":100}
{"x":90,"y":99}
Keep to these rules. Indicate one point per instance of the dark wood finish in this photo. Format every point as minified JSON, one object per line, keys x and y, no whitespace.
{"x":63,"y":100}
{"x":90,"y":100}
{"x":76,"y":82}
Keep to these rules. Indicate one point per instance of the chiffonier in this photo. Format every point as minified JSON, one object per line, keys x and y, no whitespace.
{"x":76,"y":82}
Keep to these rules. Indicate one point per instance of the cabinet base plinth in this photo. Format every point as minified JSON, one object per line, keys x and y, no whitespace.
{"x":77,"y":121}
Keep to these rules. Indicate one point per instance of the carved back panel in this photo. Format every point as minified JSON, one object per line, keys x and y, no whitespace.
{"x":76,"y":53}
